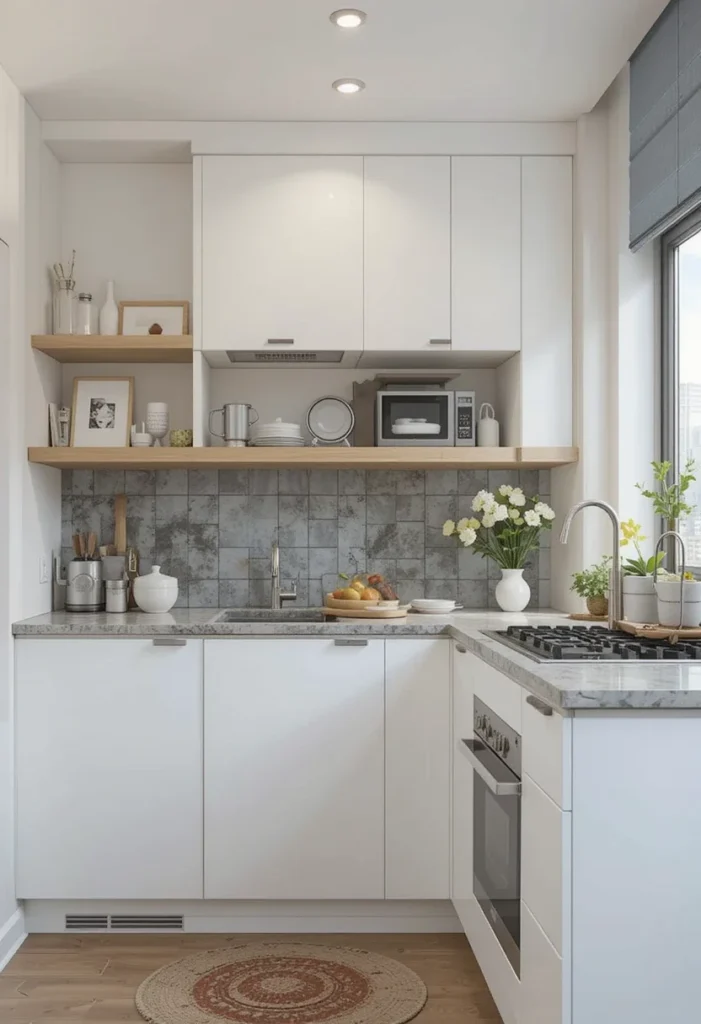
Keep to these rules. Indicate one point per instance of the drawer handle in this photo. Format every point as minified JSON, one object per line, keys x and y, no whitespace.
{"x":350,"y":643}
{"x":541,"y":707}
{"x":170,"y":641}
{"x":281,"y":341}
{"x":440,"y":341}
{"x":460,"y":649}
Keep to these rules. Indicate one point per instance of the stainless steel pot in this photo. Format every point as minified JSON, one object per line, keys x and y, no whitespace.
{"x":85,"y":588}
{"x":236,"y":422}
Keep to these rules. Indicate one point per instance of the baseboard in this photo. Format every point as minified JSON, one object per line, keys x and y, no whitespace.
{"x":12,"y":935}
{"x":258,"y":916}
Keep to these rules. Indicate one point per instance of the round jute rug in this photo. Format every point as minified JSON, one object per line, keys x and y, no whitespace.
{"x":282,"y":983}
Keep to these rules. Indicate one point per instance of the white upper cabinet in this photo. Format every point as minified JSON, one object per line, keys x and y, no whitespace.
{"x":282,"y":253}
{"x":407,"y":253}
{"x":486,"y":254}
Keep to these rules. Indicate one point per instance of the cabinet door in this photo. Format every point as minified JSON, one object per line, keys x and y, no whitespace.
{"x":417,"y":765}
{"x":546,"y":362}
{"x":282,"y":252}
{"x":463,"y":717}
{"x":544,"y":997}
{"x":407,"y":253}
{"x":109,"y":769}
{"x":486,"y":233}
{"x":294,"y":769}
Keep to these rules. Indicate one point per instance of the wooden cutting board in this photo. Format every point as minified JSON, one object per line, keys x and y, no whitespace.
{"x":645,"y":631}
{"x":120,"y":523}
{"x":368,"y":613}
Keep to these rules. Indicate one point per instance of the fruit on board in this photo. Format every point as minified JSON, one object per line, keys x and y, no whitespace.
{"x":350,"y":594}
{"x":338,"y":594}
{"x":370,"y":594}
{"x":358,"y":585}
{"x":375,"y":579}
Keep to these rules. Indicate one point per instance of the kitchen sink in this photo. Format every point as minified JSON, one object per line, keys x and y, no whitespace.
{"x":270,"y":615}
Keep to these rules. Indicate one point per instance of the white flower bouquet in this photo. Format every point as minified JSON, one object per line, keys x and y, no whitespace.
{"x":510,"y":527}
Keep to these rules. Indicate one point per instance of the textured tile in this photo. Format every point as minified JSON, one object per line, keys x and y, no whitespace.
{"x":259,"y":568}
{"x":473,"y":594}
{"x":233,"y":563}
{"x":293,"y":481}
{"x":465,"y":509}
{"x":381,"y":481}
{"x":233,"y":594}
{"x":544,"y":482}
{"x":171,"y":510}
{"x":410,"y":590}
{"x":381,"y":508}
{"x":351,"y":481}
{"x":323,"y":481}
{"x":233,"y":521}
{"x":323,"y":533}
{"x":262,"y":534}
{"x":410,"y":568}
{"x":352,"y":506}
{"x":260,"y":593}
{"x":395,"y":540}
{"x":82,"y":482}
{"x":203,"y":594}
{"x":544,"y":564}
{"x":203,"y":481}
{"x":471,"y":566}
{"x":171,"y":481}
{"x":442,"y":564}
{"x":110,"y":481}
{"x":435,"y":538}
{"x":233,"y":481}
{"x":544,"y":593}
{"x":351,"y":560}
{"x":442,"y":481}
{"x":322,"y":561}
{"x":262,"y":481}
{"x":315,"y":594}
{"x":203,"y":508}
{"x":138,"y":481}
{"x":411,"y":508}
{"x":386,"y":567}
{"x":470,"y":481}
{"x":293,"y":511}
{"x":442,"y":590}
{"x":410,"y":481}
{"x":294,"y":563}
{"x":323,"y":506}
{"x":66,"y":481}
{"x":301,"y":587}
{"x":528,"y":481}
{"x":498,"y":477}
{"x":203,"y":552}
{"x":141,"y":524}
{"x":440,"y":507}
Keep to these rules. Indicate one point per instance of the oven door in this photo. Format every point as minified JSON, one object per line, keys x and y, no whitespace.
{"x":497,"y":846}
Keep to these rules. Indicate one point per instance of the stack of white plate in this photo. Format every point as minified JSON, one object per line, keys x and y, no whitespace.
{"x":277,"y":435}
{"x":434,"y":606}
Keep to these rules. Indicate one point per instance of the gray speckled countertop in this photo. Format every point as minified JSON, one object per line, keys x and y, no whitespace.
{"x":564,"y":685}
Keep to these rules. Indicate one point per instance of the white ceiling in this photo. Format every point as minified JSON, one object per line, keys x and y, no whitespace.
{"x":275,"y":59}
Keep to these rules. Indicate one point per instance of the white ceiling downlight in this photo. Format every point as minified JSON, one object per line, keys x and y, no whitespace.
{"x":348,"y":17}
{"x":348,"y":85}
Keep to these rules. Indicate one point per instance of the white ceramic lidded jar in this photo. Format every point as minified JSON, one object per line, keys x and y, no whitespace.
{"x":155,"y":592}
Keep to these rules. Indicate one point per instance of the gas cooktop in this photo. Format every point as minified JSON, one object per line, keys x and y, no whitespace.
{"x":591,"y":643}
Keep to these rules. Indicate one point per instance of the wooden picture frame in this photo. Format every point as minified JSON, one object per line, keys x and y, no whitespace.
{"x":138,"y":326}
{"x":101,"y":412}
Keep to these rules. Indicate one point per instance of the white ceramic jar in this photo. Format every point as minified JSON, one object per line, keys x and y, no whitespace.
{"x":155,"y":592}
{"x":669,"y":605}
{"x":639,"y":599}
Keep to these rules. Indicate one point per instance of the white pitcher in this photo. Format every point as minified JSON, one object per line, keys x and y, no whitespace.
{"x":487,"y":427}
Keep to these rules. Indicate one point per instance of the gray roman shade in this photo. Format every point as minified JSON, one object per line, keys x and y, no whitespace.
{"x":665,"y":122}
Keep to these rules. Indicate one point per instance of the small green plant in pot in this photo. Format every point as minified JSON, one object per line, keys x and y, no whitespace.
{"x":593,"y":585}
{"x":639,"y":597}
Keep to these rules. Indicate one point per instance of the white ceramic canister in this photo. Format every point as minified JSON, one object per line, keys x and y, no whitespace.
{"x":669,"y":603}
{"x":487,"y":427}
{"x":639,"y":599}
{"x":155,"y":592}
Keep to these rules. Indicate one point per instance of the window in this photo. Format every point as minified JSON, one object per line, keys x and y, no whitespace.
{"x":681,"y":382}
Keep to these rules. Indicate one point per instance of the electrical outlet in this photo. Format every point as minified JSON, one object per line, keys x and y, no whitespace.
{"x":44,"y":569}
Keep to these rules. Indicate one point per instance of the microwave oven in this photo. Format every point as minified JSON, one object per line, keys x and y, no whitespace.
{"x":413,"y":418}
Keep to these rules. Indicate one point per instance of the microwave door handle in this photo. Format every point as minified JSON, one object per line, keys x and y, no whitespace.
{"x":472,"y":750}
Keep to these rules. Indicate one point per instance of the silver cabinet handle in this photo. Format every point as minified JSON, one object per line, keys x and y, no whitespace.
{"x":170,"y":641}
{"x":281,"y":341}
{"x":541,"y":707}
{"x":440,"y":341}
{"x":460,"y":649}
{"x":499,"y":779}
{"x":350,"y":643}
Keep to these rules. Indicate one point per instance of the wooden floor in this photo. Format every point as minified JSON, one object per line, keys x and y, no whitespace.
{"x":69,"y":978}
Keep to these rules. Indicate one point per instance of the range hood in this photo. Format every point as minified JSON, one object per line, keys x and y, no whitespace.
{"x":259,"y":356}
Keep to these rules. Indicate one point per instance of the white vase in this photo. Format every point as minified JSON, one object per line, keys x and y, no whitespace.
{"x":639,"y":599}
{"x":512,"y":593}
{"x":109,"y":314}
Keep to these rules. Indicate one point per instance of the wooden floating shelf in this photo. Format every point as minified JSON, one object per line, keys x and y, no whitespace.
{"x":303,"y":458}
{"x":103,"y":348}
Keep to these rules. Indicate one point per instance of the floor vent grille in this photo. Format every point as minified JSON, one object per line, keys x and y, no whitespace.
{"x":124,"y":922}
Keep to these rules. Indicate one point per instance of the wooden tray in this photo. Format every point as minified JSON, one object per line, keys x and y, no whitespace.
{"x":368,"y":613}
{"x":586,"y":617}
{"x":645,"y":631}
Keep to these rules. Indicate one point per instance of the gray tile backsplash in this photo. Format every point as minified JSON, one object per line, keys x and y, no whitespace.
{"x":214,"y":529}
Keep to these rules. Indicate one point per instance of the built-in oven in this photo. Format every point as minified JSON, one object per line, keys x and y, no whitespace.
{"x":494,"y":751}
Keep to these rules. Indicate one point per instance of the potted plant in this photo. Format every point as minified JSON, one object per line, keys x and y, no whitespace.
{"x":669,"y":600}
{"x":668,"y":500}
{"x":508,"y":532}
{"x":639,"y":597}
{"x":593,"y":585}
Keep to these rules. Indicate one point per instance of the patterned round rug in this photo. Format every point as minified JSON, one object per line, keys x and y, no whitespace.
{"x":282,"y":983}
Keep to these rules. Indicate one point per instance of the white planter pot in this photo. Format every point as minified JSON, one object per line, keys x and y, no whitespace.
{"x":640,"y":599}
{"x":669,"y":603}
{"x":512,"y":593}
{"x":155,"y":592}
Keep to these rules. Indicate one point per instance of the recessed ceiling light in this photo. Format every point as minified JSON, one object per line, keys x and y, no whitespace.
{"x":348,"y":85}
{"x":348,"y":18}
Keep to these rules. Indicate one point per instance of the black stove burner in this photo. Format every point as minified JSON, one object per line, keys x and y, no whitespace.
{"x":595,"y":643}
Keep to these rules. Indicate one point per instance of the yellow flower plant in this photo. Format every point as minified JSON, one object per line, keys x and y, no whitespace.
{"x":632,"y":533}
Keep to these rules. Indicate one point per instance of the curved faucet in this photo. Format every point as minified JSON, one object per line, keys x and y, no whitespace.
{"x":615,"y":584}
{"x":278,"y":596}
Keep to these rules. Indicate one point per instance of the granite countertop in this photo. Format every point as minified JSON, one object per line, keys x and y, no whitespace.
{"x":565,"y":685}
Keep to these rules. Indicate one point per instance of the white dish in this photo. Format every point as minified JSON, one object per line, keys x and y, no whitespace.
{"x":416,"y":428}
{"x":330,"y":419}
{"x":434,"y":606}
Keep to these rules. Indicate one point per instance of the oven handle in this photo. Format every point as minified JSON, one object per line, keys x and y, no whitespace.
{"x":472,"y":750}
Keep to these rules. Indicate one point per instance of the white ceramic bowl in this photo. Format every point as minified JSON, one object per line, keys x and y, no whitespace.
{"x":434,"y":606}
{"x":155,"y":592}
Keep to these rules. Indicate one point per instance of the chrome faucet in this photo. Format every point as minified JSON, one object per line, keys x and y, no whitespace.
{"x":615,"y":583}
{"x":278,"y":596}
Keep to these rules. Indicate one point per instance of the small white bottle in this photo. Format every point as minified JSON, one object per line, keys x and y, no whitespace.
{"x":109,"y":314}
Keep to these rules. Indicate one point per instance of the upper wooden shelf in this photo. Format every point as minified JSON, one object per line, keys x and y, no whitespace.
{"x":303,"y":458}
{"x":115,"y":348}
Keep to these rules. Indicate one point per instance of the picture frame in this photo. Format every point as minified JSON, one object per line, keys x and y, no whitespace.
{"x":140,"y":318}
{"x":101,"y":412}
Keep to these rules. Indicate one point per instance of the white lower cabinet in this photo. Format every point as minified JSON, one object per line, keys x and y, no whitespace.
{"x":417,"y":769}
{"x":544,"y":995}
{"x":462,"y":796}
{"x":109,"y":769}
{"x":294,"y":769}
